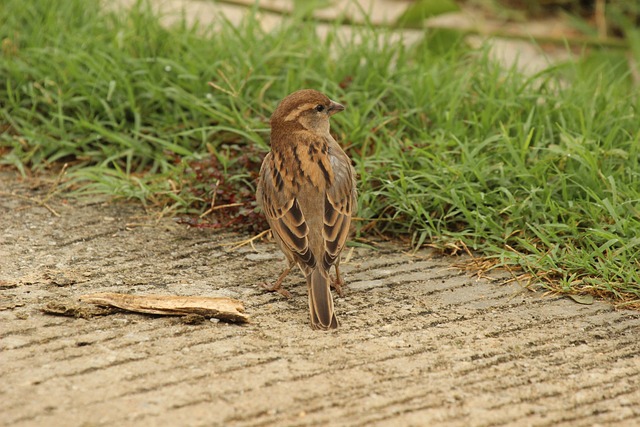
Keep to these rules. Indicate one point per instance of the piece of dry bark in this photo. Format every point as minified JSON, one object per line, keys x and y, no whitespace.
{"x":73,"y":309}
{"x":228,"y":309}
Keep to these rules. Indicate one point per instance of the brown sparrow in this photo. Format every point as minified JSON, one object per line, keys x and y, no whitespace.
{"x":307,"y":191}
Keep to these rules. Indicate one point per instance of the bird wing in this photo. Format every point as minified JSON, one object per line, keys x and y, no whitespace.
{"x":283,"y":211}
{"x":340,"y":202}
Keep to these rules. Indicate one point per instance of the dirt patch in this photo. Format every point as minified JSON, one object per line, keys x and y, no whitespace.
{"x":421,"y":343}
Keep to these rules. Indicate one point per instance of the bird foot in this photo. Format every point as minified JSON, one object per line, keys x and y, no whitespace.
{"x":276,"y":287}
{"x":337,"y":285}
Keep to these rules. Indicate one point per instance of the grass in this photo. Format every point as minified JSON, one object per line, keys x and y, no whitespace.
{"x":537,"y":172}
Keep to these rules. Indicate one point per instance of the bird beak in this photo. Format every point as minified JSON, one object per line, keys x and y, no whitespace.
{"x":334,"y":107}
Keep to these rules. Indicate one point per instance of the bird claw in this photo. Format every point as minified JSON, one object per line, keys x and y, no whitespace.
{"x":277,"y":287}
{"x":337,"y":285}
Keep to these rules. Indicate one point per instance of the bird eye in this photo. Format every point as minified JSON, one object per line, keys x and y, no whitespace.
{"x":320,"y":108}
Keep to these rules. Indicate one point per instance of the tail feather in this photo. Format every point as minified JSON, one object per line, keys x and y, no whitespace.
{"x":321,"y":301}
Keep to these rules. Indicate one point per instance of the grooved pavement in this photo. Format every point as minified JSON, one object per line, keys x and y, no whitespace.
{"x":421,"y":343}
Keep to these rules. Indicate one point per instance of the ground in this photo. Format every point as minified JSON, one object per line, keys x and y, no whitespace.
{"x":422,"y":342}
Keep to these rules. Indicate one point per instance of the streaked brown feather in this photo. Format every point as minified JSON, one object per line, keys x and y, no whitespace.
{"x":307,"y":191}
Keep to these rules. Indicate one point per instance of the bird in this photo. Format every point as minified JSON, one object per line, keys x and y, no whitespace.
{"x":307,"y":191}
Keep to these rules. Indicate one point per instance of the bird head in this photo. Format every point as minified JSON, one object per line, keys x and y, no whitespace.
{"x":307,"y":108}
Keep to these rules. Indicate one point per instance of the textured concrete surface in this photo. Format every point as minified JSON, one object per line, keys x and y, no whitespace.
{"x":421,"y":342}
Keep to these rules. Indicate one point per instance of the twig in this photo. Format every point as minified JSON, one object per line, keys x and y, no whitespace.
{"x":55,"y":184}
{"x":42,"y":201}
{"x":473,"y":258}
{"x":32,"y":200}
{"x":515,"y":278}
{"x":213,"y":200}
{"x":229,"y":205}
{"x":246,"y":241}
{"x":540,"y":39}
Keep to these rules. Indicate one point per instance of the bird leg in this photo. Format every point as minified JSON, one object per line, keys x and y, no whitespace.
{"x":338,"y":282}
{"x":277,"y":286}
